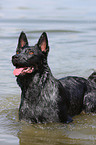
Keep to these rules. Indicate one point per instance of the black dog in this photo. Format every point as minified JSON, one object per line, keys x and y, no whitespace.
{"x":44,"y":98}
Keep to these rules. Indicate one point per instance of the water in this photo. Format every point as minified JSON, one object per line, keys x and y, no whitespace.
{"x":71,"y":29}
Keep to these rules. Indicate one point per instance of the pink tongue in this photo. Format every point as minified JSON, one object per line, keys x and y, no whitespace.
{"x":17,"y":71}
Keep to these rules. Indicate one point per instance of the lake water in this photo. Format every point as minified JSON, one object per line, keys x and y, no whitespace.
{"x":71,"y":29}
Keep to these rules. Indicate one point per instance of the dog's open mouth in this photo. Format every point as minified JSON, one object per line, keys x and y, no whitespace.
{"x":23,"y":70}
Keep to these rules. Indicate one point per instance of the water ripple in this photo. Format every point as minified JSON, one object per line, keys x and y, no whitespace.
{"x":47,"y":21}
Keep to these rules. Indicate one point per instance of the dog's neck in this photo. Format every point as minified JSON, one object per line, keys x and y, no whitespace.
{"x":37,"y":78}
{"x":31,"y":85}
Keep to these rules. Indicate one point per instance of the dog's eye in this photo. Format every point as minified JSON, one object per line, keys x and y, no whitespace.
{"x":30,"y":52}
{"x":17,"y":52}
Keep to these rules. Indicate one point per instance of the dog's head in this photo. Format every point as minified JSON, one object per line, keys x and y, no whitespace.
{"x":29,"y":59}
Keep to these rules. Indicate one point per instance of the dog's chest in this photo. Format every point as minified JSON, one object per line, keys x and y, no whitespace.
{"x":42,"y":100}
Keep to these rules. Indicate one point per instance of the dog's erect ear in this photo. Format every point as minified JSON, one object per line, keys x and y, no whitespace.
{"x":22,"y":40}
{"x":43,"y":42}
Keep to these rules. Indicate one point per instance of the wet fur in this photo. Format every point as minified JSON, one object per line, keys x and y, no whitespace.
{"x":44,"y":98}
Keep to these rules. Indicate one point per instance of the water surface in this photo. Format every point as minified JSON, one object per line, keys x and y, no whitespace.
{"x":71,"y":29}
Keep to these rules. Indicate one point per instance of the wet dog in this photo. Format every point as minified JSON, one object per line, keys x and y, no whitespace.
{"x":44,"y":98}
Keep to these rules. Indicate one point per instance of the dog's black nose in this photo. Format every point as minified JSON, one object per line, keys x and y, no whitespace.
{"x":14,"y":57}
